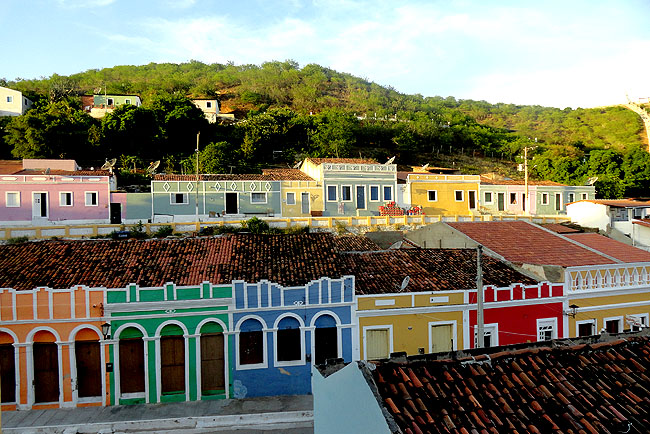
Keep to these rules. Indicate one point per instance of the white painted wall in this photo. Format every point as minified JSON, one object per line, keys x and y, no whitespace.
{"x":12,"y":102}
{"x":589,"y":214}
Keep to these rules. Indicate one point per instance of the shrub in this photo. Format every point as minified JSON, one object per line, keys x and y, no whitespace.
{"x":163,"y":231}
{"x":138,"y":231}
{"x":17,"y":240}
{"x":256,"y":226}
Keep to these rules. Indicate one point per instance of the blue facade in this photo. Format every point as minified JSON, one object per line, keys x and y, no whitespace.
{"x":279,"y":333}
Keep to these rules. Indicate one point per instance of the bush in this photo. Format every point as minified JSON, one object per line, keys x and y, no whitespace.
{"x":256,"y":226}
{"x":17,"y":240}
{"x":163,"y":231}
{"x":138,"y":231}
{"x":298,"y":229}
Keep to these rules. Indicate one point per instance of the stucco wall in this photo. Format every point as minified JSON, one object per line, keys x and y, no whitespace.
{"x":589,"y":214}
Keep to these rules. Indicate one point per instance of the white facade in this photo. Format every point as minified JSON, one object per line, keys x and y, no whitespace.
{"x":607,"y":217}
{"x":13,"y":103}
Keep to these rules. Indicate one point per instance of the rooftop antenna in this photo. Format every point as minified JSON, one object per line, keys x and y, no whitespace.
{"x":152,"y":167}
{"x":404,"y":284}
{"x":425,"y":166}
{"x":109,"y":164}
{"x":297,"y":165}
{"x":390,"y":161}
{"x":592,"y":180}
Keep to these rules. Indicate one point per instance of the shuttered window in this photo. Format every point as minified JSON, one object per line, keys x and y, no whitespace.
{"x":377,"y":344}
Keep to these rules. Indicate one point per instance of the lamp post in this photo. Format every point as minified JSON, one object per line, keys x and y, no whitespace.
{"x":106,"y":329}
{"x":197,"y":181}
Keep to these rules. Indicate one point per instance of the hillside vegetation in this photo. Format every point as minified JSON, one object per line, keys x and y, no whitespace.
{"x":287,"y":112}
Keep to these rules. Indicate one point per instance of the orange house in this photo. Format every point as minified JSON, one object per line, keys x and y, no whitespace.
{"x":52,"y":351}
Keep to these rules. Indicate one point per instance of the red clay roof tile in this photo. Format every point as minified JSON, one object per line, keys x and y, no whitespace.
{"x":617,"y":249}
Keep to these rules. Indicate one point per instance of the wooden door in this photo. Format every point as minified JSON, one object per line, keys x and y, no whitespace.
{"x":231,"y":203}
{"x":304,"y":202}
{"x":472,"y":199}
{"x":501,"y":201}
{"x":131,"y":365}
{"x":326,"y":343}
{"x":172,"y":361}
{"x":441,"y":338}
{"x":361,"y":197}
{"x":89,"y":368}
{"x":46,"y":372}
{"x":7,"y":373}
{"x":212,"y":362}
{"x":377,"y":345}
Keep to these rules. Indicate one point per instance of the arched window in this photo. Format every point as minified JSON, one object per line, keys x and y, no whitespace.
{"x":251,"y":343}
{"x":172,"y":359}
{"x":131,"y":369}
{"x":325,"y":339}
{"x":289,"y":340}
{"x":212,"y":359}
{"x":7,"y":368}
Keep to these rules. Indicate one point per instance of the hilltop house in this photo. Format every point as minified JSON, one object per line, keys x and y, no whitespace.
{"x":13,"y":103}
{"x":98,"y":105}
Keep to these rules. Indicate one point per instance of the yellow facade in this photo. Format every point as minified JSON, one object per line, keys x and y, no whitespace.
{"x":444,"y":194}
{"x":294,"y":194}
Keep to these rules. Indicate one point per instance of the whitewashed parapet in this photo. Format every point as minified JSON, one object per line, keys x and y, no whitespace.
{"x":340,"y":167}
{"x":599,"y":277}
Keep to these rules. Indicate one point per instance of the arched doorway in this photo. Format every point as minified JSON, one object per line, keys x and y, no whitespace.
{"x":88,"y":363}
{"x":131,"y":363}
{"x":7,"y":369}
{"x":213,"y":377}
{"x":325,"y":339}
{"x":172,"y":360}
{"x":45,"y":360}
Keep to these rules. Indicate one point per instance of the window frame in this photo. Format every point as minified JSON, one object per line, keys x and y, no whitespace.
{"x":208,"y":104}
{"x":491,"y":330}
{"x":61,"y":196}
{"x":349,"y":189}
{"x":127,"y":101}
{"x":16,"y":203}
{"x":618,"y":318}
{"x":583,"y":196}
{"x":96,"y":193}
{"x":435,"y":194}
{"x":329,"y":190}
{"x":643,"y":317}
{"x":370,"y":199}
{"x":186,"y":199}
{"x":513,"y":199}
{"x":301,"y":330}
{"x":10,"y":99}
{"x":388,"y":327}
{"x":454,"y":333}
{"x":586,"y":321}
{"x":266,"y":198}
{"x":546,"y":322}
{"x":544,"y":199}
{"x":287,"y":201}
{"x":238,"y":332}
{"x":571,"y":197}
{"x":462,"y":195}
{"x":558,"y":205}
{"x":488,"y":202}
{"x":383,"y":192}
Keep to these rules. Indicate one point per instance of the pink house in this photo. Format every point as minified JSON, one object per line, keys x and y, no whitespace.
{"x":34,"y":192}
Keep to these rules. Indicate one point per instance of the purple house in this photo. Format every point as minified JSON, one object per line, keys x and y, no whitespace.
{"x":35,"y":192}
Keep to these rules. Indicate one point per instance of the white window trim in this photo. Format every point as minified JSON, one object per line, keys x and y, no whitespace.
{"x":186,"y":199}
{"x":342,"y":188}
{"x":561,"y":202}
{"x":510,"y":196}
{"x":383,"y":193}
{"x":96,"y":198}
{"x":454,"y":336}
{"x":7,"y":193}
{"x":436,"y":194}
{"x":639,"y":316}
{"x":586,"y":321}
{"x":492,"y":328}
{"x":543,"y":322}
{"x":462,"y":195}
{"x":476,"y":199}
{"x":265,"y":361}
{"x":620,"y":320}
{"x":544,"y":199}
{"x":266,"y":198}
{"x":127,"y":101}
{"x":388,"y":327}
{"x":61,"y":193}
{"x":370,"y":199}
{"x":298,"y":362}
{"x":491,"y":201}
{"x":292,"y":202}
{"x":336,"y":193}
{"x":10,"y":99}
{"x":584,"y":196}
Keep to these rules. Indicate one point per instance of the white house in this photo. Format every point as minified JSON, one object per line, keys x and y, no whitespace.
{"x":610,"y":215}
{"x":13,"y":103}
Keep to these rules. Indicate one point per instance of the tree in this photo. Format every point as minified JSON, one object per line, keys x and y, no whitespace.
{"x":131,"y":130}
{"x":333,"y":133}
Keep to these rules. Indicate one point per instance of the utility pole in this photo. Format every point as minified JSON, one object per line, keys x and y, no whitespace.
{"x":526,"y":198}
{"x":197,"y":181}
{"x":479,"y":301}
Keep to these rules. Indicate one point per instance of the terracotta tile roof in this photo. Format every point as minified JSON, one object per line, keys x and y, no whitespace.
{"x":617,"y":249}
{"x":9,"y":167}
{"x":354,"y":243}
{"x":559,"y":228}
{"x":522,"y":242}
{"x":598,"y":388}
{"x":619,"y":203}
{"x":428,"y":269}
{"x":490,"y":181}
{"x":268,"y":175}
{"x":318,"y":161}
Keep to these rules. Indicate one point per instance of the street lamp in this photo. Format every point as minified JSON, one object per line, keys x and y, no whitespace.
{"x":106,"y":329}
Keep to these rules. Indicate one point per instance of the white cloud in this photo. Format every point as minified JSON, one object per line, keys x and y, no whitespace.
{"x":85,"y":3}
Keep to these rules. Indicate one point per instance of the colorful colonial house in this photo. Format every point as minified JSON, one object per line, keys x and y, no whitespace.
{"x":13,"y":103}
{"x":99,"y":105}
{"x":37,"y":192}
{"x":352,"y":186}
{"x":439,"y":194}
{"x":301,"y":195}
{"x":609,"y":215}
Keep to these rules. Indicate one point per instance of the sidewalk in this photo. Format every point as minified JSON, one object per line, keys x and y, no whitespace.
{"x":255,"y":415}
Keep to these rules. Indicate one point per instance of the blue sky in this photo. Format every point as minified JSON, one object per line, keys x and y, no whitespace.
{"x":571,"y":53}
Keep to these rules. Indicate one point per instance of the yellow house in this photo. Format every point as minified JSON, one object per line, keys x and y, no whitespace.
{"x":613,"y":298}
{"x":302,"y":196}
{"x":439,"y":194}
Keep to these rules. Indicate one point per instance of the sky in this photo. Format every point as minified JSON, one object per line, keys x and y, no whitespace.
{"x":566,"y":53}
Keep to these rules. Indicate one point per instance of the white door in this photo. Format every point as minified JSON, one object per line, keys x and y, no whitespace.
{"x":39,"y":205}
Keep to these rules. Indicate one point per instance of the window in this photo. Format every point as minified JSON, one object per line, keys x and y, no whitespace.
{"x":127,"y":101}
{"x":546,"y":329}
{"x":331,"y":193}
{"x":10,"y":99}
{"x":584,"y":196}
{"x":571,"y":197}
{"x":346,"y":193}
{"x":513,"y":198}
{"x":13,"y":199}
{"x":325,"y":339}
{"x":377,"y":343}
{"x":637,"y":322}
{"x":586,"y":328}
{"x":258,"y":197}
{"x":558,"y":201}
{"x":458,"y":194}
{"x":289,"y":341}
{"x":251,"y":343}
{"x":208,"y":104}
{"x":374,"y":193}
{"x":432,"y":195}
{"x":388,"y":193}
{"x":613,"y":325}
{"x":487,"y":197}
{"x":291,"y":198}
{"x":179,"y":198}
{"x":490,"y":336}
{"x":544,"y":198}
{"x":91,"y":198}
{"x":172,"y":360}
{"x":65,"y":198}
{"x":110,"y":101}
